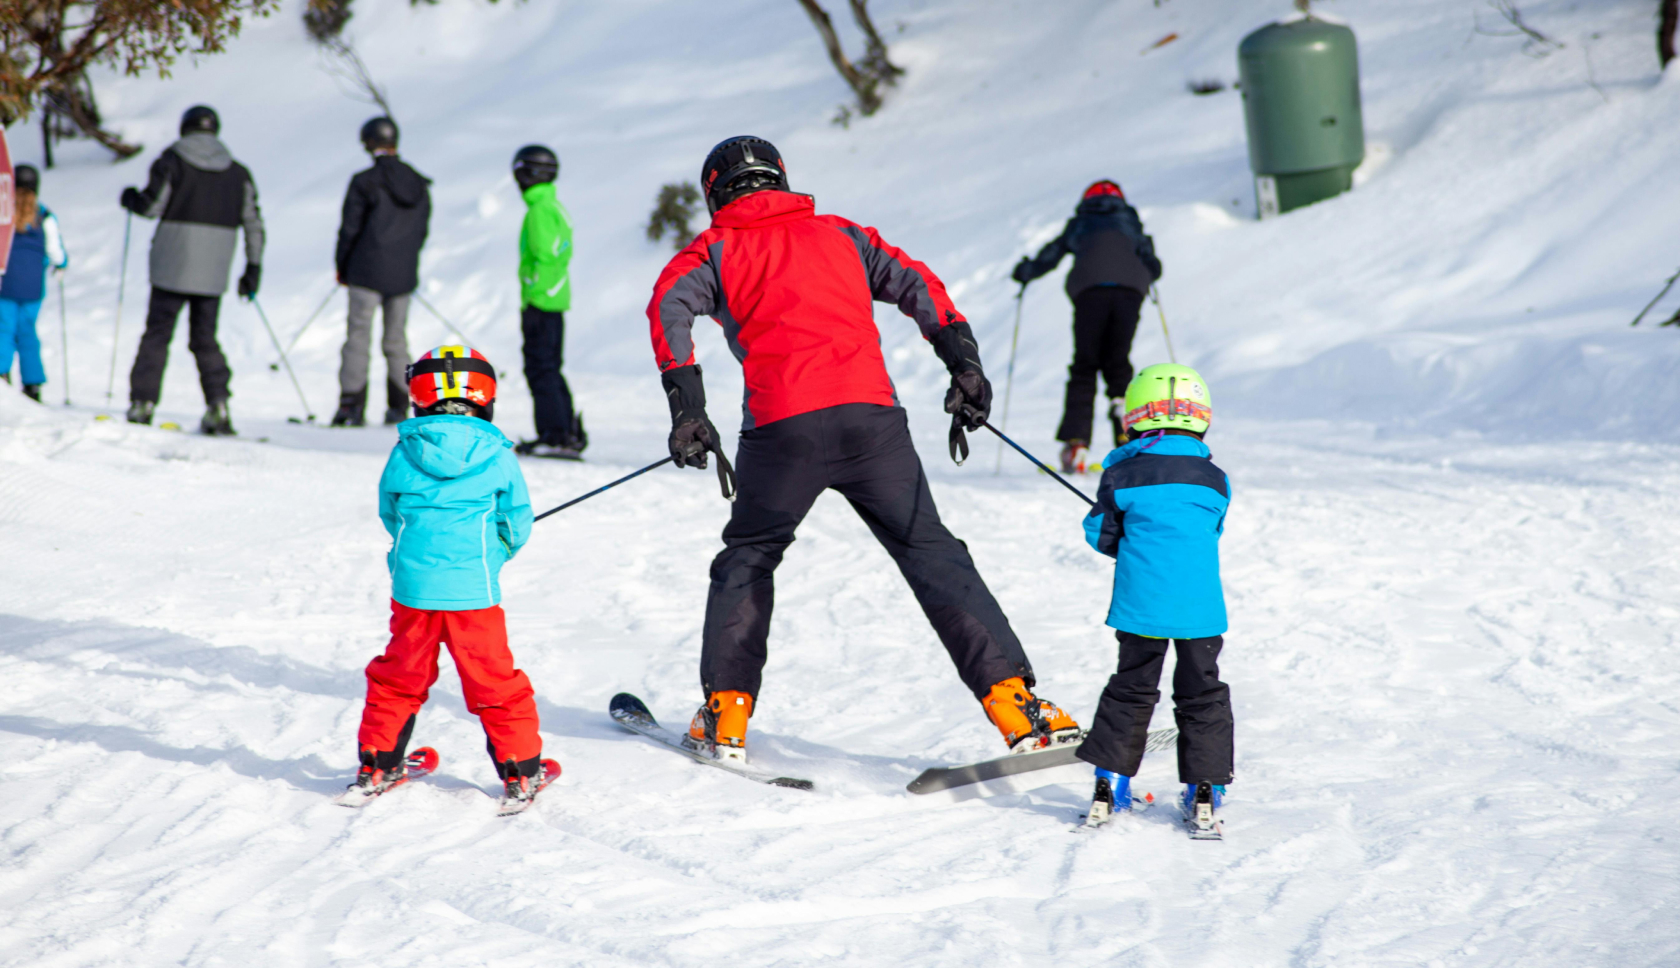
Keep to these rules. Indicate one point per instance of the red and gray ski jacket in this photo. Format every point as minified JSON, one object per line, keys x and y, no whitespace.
{"x":792,"y":290}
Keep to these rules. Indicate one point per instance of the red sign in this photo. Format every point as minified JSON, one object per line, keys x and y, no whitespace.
{"x":7,"y":202}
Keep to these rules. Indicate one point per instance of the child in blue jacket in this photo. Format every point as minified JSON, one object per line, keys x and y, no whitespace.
{"x":36,"y":246}
{"x":454,"y":500}
{"x":1160,"y":512}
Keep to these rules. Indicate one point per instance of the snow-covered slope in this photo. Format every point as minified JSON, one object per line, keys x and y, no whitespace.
{"x":1449,"y":561}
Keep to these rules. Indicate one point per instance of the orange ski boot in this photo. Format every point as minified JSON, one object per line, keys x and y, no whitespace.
{"x":1073,"y":457}
{"x":720,"y":726}
{"x":1026,"y":721}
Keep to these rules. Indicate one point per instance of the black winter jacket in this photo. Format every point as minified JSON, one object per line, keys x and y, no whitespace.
{"x":386,"y":212}
{"x":1108,"y":245}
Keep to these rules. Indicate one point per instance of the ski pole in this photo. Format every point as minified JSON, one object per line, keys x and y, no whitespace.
{"x":1009,"y":378}
{"x":1041,"y":465}
{"x":441,"y":319}
{"x":1665,"y":289}
{"x":116,"y":328}
{"x":1155,"y":297}
{"x":602,"y":489}
{"x":276,"y":341}
{"x":64,"y":338}
{"x":292,"y":345}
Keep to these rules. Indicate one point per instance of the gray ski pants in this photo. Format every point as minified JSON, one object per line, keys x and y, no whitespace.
{"x":353,"y":374}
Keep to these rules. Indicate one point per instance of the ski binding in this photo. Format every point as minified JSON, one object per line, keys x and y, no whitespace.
{"x":631,"y":713}
{"x":422,"y":762}
{"x":1199,"y":819}
{"x":508,"y":806}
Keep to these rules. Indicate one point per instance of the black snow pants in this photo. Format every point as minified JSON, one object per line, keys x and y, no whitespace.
{"x":1201,"y":706}
{"x":545,"y":337}
{"x":145,"y":381}
{"x":1105,"y":319}
{"x":864,"y":451}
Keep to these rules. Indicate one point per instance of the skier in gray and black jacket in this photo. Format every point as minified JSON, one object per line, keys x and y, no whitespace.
{"x":202,"y":198}
{"x":1114,"y":265}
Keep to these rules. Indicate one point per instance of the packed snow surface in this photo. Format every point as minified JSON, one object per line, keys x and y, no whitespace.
{"x":1450,"y":561}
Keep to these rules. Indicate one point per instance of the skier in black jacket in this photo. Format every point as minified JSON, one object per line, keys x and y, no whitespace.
{"x":386,"y":212}
{"x":1114,"y":265}
{"x":202,"y":198}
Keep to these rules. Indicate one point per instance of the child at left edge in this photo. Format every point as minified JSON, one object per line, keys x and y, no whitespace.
{"x":454,"y":501}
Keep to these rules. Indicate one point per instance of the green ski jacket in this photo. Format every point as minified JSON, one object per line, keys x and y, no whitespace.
{"x":545,"y":252}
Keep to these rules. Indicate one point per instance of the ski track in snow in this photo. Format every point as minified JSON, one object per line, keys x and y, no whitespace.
{"x":1452,"y":652}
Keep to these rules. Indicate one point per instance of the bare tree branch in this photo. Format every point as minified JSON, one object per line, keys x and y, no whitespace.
{"x":867,"y":77}
{"x":1668,"y":17}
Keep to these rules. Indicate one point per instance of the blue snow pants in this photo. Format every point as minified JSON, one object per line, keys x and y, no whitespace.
{"x":17,"y":335}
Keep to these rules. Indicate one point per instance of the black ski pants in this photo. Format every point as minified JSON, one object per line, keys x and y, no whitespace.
{"x":1201,"y":706}
{"x":1105,"y":319}
{"x":145,"y":381}
{"x":545,"y":337}
{"x":864,"y":451}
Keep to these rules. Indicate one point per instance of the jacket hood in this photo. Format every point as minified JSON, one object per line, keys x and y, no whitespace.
{"x":406,"y":186}
{"x":447,"y":446}
{"x":203,"y":151}
{"x":764,"y":208}
{"x":1174,"y":445}
{"x":1101,"y":205}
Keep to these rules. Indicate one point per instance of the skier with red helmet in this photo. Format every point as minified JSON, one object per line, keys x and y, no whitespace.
{"x":1114,"y":265}
{"x":793,"y":291}
{"x":454,"y":501}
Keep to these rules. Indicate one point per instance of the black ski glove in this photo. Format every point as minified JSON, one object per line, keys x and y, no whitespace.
{"x":692,"y":433}
{"x":250,"y":281}
{"x":133,"y":200}
{"x":970,"y":397}
{"x":1023,"y":271}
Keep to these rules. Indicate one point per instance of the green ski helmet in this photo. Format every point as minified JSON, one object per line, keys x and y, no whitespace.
{"x":1168,"y":396}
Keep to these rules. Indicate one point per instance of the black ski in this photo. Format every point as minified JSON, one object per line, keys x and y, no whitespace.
{"x":949,"y":777}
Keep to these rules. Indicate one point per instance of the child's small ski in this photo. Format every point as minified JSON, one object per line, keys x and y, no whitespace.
{"x":1200,"y":820}
{"x":631,"y":713}
{"x":548,"y":773}
{"x":949,"y":777}
{"x":1101,"y":815}
{"x":421,"y":762}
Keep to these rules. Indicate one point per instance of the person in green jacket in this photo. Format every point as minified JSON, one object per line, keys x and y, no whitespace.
{"x":545,"y":256}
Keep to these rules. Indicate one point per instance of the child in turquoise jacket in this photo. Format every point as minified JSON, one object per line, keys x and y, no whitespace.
{"x":454,"y":501}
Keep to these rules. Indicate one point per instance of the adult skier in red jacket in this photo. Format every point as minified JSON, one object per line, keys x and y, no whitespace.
{"x":793,"y":290}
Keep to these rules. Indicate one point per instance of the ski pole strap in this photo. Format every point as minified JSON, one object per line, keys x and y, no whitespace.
{"x":959,"y":440}
{"x":602,"y":489}
{"x":1041,"y":465}
{"x":725,"y":472}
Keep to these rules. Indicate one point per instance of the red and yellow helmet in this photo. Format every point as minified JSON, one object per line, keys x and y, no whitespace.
{"x":451,"y":373}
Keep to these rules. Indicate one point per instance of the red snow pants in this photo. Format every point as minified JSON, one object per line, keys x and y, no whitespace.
{"x":497,"y":693}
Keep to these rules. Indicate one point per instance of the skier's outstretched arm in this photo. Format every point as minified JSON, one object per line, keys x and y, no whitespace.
{"x":896,"y":278}
{"x":688,"y":287}
{"x":1048,"y":258}
{"x":149,"y":202}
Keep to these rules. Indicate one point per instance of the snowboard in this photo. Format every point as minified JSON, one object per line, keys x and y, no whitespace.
{"x":631,"y":713}
{"x":421,"y":762}
{"x":940,"y":778}
{"x":508,"y":806}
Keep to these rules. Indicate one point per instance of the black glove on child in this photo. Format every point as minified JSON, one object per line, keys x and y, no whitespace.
{"x":692,"y":433}
{"x":249,"y":282}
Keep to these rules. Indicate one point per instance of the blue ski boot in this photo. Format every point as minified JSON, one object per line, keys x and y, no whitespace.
{"x":1113,"y":795}
{"x":1201,"y":803}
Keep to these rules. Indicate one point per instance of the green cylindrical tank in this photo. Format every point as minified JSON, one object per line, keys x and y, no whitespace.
{"x":1300,"y":89}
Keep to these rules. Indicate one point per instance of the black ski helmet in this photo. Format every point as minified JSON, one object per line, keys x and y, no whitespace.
{"x":380,"y":132}
{"x":26,"y":178}
{"x":740,"y":166}
{"x":200,"y":117}
{"x":535,"y":164}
